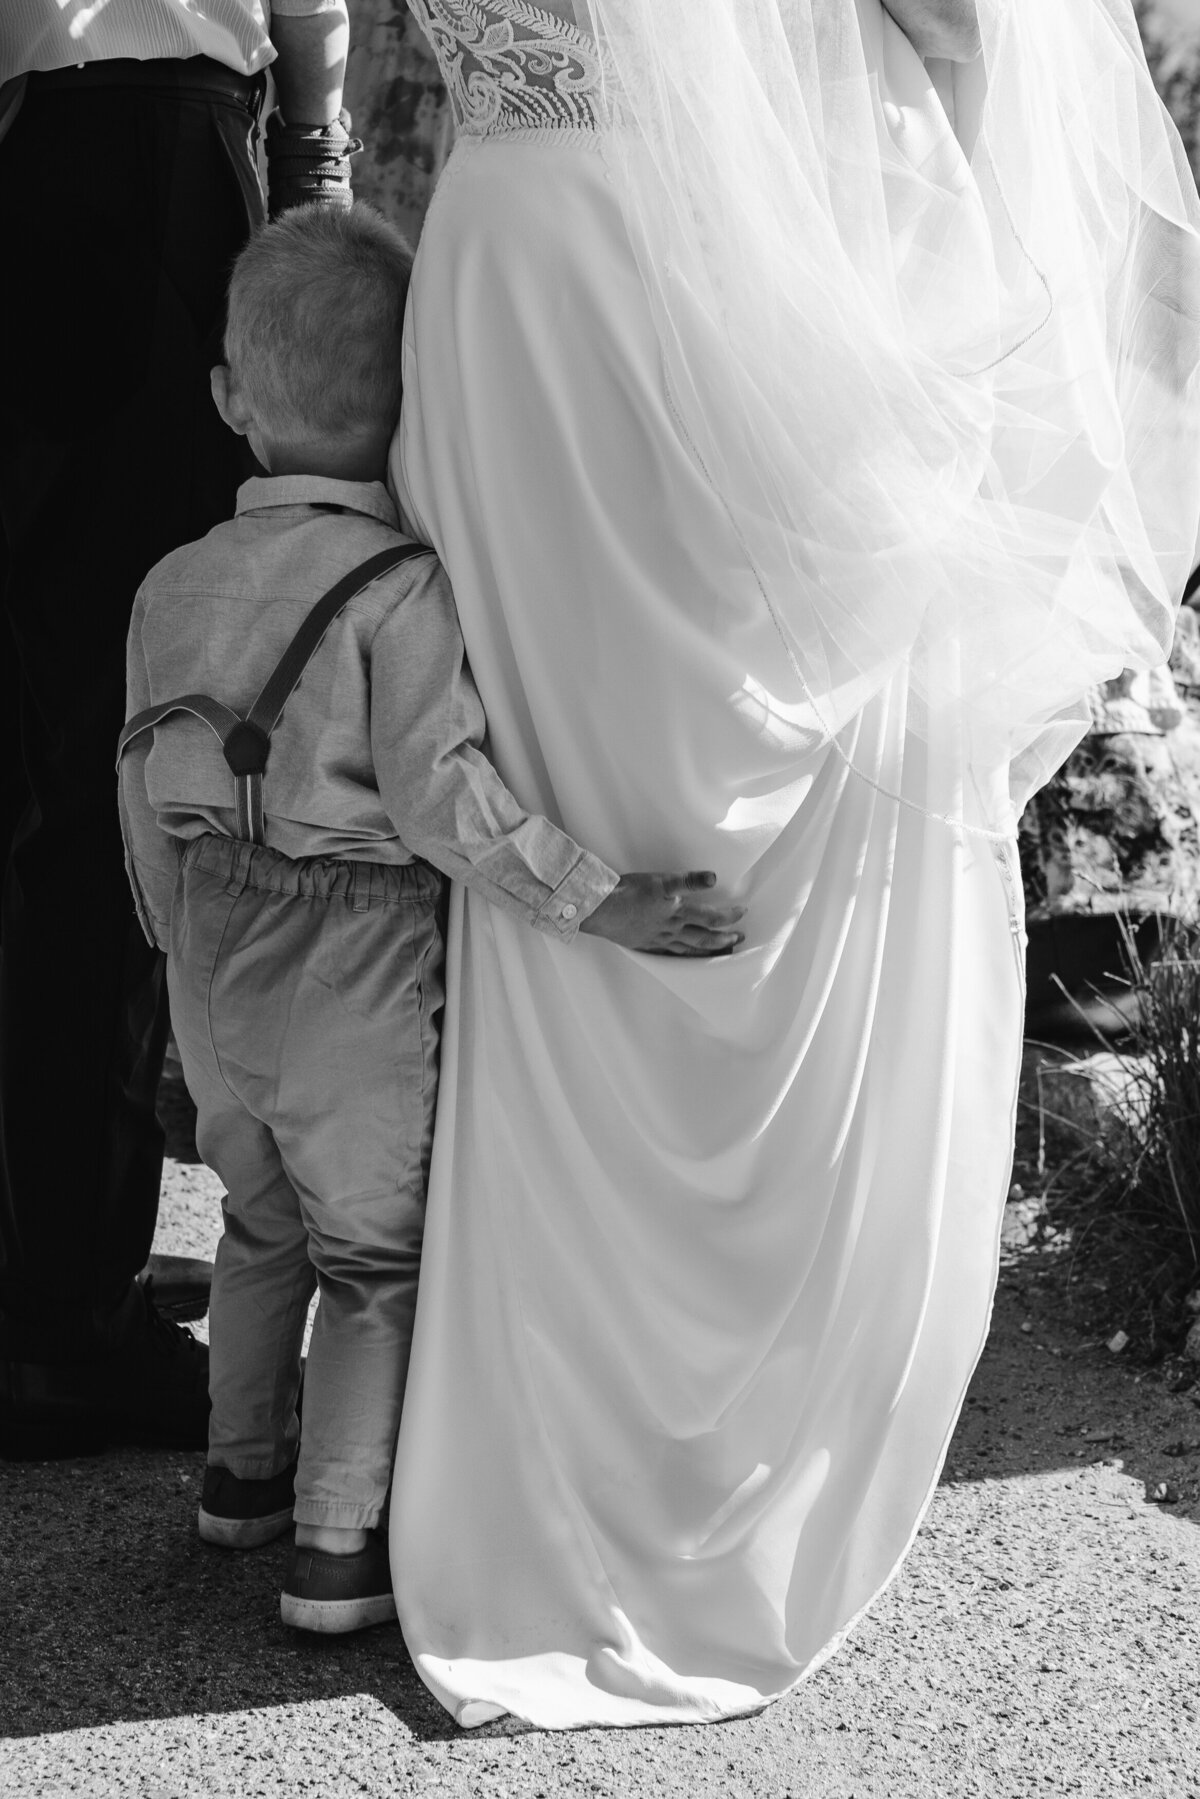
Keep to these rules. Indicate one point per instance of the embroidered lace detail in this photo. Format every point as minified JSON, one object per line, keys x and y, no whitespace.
{"x":508,"y":65}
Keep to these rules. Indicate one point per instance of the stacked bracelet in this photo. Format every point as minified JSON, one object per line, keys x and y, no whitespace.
{"x":309,"y":164}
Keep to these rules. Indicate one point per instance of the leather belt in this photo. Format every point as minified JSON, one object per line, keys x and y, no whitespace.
{"x":184,"y":77}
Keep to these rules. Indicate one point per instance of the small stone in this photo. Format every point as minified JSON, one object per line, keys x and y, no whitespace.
{"x":1164,"y":1493}
{"x":1191,"y":1348}
{"x":1192,"y":1302}
{"x":1091,"y":1099}
{"x":1016,"y":1191}
{"x":1117,"y":1343}
{"x":1099,"y":1436}
{"x":1027,"y":1327}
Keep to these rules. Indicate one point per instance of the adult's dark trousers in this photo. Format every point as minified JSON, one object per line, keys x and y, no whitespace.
{"x":125,"y":192}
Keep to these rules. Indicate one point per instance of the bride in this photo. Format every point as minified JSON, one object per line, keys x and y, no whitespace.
{"x":801,"y":395}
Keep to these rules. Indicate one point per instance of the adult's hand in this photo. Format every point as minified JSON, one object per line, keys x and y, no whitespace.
{"x":664,"y":915}
{"x":940,"y":28}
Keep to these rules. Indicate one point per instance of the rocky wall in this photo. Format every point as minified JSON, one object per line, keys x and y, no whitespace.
{"x":1171,"y":34}
{"x":399,"y":110}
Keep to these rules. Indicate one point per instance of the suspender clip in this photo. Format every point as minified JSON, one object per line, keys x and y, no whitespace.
{"x":246,"y":748}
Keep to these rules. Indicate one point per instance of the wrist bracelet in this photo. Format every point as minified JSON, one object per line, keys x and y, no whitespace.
{"x":309,"y":164}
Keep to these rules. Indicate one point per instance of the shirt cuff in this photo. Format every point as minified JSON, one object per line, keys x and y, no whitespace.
{"x":146,"y":881}
{"x":585,"y":885}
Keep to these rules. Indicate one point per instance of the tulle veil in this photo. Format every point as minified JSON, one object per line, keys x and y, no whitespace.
{"x":933,"y":332}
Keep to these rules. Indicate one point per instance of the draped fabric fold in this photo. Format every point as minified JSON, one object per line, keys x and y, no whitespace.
{"x":933,"y":331}
{"x":803,"y":430}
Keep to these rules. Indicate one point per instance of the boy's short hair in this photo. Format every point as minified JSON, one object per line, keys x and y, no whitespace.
{"x":316,"y":310}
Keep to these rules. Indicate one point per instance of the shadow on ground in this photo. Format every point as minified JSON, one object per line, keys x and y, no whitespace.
{"x":1045,"y":1398}
{"x":114,"y":1611}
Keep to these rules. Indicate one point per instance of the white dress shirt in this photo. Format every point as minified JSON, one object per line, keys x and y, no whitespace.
{"x":45,"y":34}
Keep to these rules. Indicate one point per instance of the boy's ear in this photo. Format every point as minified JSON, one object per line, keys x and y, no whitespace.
{"x":228,"y":400}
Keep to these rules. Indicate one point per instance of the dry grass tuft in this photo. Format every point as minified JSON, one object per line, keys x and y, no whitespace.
{"x":1128,"y":1198}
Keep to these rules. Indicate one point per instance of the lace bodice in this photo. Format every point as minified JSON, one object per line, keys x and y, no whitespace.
{"x":510,"y":66}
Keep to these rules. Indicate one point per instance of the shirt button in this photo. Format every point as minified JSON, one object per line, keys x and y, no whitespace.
{"x":569,"y":911}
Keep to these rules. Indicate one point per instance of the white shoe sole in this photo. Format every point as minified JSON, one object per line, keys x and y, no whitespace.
{"x":242,"y":1533}
{"x":334,"y":1616}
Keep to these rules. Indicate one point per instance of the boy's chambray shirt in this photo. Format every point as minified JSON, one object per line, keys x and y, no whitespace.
{"x":377,"y":757}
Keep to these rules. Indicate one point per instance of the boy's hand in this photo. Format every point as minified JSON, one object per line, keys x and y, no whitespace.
{"x":661,"y":915}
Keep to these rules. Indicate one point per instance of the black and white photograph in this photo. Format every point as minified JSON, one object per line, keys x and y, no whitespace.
{"x":600,"y":908}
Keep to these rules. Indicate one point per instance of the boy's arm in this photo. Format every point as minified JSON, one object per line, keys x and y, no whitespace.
{"x":151,"y":856}
{"x":446,"y":800}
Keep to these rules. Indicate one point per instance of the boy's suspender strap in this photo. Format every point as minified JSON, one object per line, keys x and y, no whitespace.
{"x":249,"y":744}
{"x":246,"y":742}
{"x":222,"y":720}
{"x":265,"y":713}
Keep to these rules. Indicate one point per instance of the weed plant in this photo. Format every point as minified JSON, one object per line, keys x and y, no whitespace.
{"x":1130,"y":1198}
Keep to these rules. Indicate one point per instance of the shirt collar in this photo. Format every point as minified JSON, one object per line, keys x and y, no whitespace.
{"x":369,"y":497}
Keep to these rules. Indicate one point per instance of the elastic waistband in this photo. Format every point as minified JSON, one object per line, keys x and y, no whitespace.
{"x":361,"y":885}
{"x":201,"y":76}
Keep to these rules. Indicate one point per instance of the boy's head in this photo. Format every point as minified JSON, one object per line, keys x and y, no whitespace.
{"x":313,"y":341}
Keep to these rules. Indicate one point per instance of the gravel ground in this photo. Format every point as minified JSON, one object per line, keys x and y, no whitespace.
{"x":1042,"y":1638}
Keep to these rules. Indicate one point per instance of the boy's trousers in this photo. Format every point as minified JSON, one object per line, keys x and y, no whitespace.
{"x":306,"y":1001}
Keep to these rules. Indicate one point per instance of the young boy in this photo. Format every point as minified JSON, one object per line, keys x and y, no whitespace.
{"x":303,"y":940}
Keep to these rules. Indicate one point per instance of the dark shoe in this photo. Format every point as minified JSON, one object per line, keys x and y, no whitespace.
{"x":178,"y":1285}
{"x":152,"y":1390}
{"x":242,"y":1514}
{"x":336,"y":1593}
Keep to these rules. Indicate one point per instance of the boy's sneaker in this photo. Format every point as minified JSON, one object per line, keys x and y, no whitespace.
{"x":242,"y":1514}
{"x":335,"y":1593}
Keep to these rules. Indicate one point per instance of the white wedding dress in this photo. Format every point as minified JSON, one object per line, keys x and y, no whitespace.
{"x":711,"y":1246}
